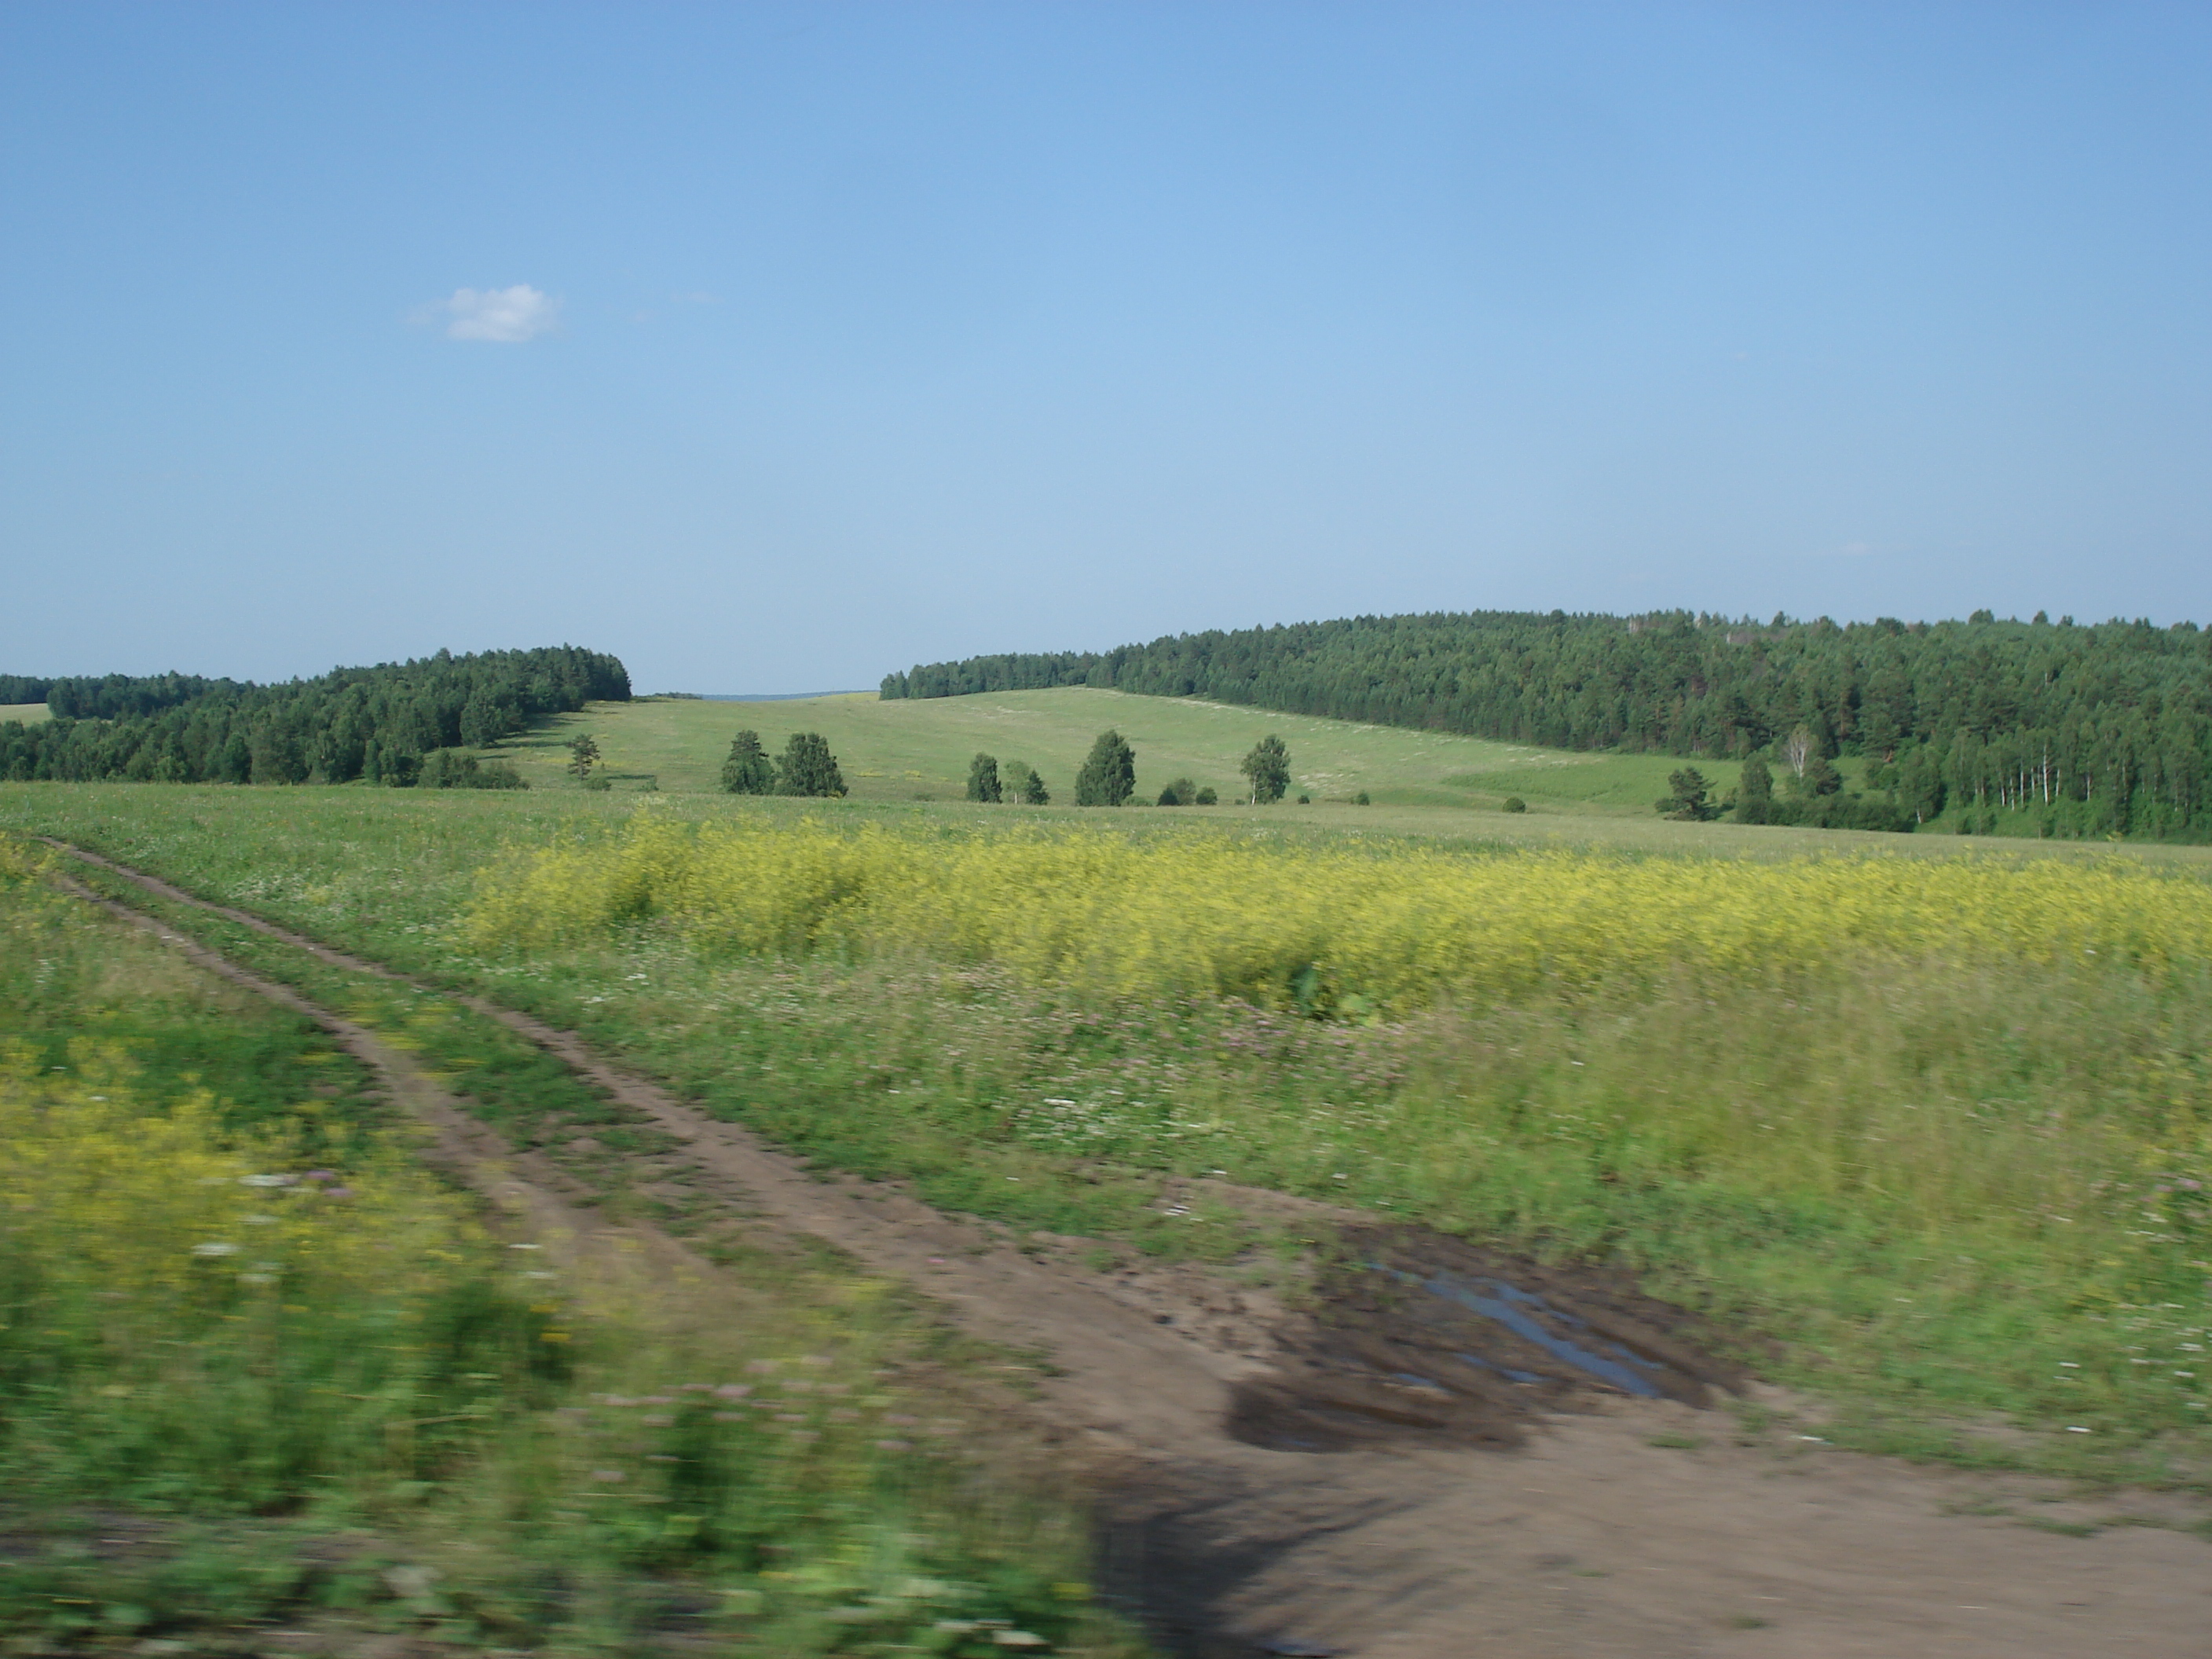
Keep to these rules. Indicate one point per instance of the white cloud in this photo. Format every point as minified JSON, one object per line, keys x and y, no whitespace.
{"x":507,"y":315}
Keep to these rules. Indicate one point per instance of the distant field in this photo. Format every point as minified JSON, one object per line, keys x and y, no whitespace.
{"x":25,"y":711}
{"x":919,"y":749}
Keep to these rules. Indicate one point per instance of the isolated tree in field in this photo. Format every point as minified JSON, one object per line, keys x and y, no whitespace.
{"x":983,"y":779}
{"x":583,"y":755}
{"x":1182,"y":793}
{"x":1108,"y":776}
{"x":1269,"y":766}
{"x":1798,"y":750}
{"x":1754,"y":793}
{"x":1020,"y":782}
{"x":1206,"y":797}
{"x":807,"y":767}
{"x":748,"y":771}
{"x":1689,"y":801}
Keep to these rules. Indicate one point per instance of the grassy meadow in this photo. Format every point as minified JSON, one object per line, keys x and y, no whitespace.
{"x":26,"y":712}
{"x":259,"y":1366}
{"x":918,"y":749}
{"x":1938,"y":1123}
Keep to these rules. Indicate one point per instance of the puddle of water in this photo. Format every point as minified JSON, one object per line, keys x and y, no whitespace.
{"x":1506,"y":1306}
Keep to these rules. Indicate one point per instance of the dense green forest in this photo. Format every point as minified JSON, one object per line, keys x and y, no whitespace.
{"x":375,"y":724}
{"x":2055,"y":728}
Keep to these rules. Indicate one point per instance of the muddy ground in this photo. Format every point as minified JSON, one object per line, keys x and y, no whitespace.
{"x":1444,"y":1451}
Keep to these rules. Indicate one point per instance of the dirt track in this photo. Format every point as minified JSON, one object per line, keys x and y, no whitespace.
{"x":1457,"y":1531}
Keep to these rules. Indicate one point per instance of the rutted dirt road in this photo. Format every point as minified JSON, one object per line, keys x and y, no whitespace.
{"x":1495,"y":1494}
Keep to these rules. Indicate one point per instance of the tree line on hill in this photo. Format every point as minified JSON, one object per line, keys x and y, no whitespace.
{"x":2076,"y":730}
{"x":1107,"y":776}
{"x":385,"y":725}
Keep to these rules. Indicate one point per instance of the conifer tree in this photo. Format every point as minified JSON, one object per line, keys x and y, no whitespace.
{"x":583,"y":755}
{"x":748,"y":771}
{"x":1024,"y":785}
{"x":1108,"y":776}
{"x":807,"y":767}
{"x":983,"y":779}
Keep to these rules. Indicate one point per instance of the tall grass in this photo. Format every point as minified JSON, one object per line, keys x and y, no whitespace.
{"x":206,"y":1318}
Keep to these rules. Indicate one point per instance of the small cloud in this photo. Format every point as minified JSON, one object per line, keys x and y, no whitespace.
{"x":507,"y":316}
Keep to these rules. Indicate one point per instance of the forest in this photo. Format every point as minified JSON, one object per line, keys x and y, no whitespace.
{"x":373,"y":723}
{"x":2097,"y":729}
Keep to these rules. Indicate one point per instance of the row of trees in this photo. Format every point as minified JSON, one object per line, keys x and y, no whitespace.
{"x":2105,"y":727}
{"x":805,"y":767}
{"x":377,"y":725}
{"x":1108,"y":777}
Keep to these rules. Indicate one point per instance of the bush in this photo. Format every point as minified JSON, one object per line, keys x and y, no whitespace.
{"x":1206,"y":797}
{"x":1181,"y":793}
{"x":448,"y":769}
{"x":1514,"y":804}
{"x":1362,"y":800}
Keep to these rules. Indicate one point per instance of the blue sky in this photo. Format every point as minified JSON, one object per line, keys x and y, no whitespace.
{"x":775,"y":347}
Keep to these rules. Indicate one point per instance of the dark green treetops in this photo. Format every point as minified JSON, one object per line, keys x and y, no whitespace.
{"x":748,"y":771}
{"x":983,"y":779}
{"x":807,"y":767}
{"x":1182,"y":793}
{"x":1269,"y":766}
{"x":1108,"y":777}
{"x":1690,"y":800}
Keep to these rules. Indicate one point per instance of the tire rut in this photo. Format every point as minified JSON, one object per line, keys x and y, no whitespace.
{"x":1624,"y":1526}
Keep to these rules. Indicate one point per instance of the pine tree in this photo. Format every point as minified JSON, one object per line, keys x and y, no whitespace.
{"x":1269,"y":766}
{"x":1108,"y":776}
{"x":1689,"y":801}
{"x":748,"y":771}
{"x":983,"y":779}
{"x":807,"y":767}
{"x":583,"y":755}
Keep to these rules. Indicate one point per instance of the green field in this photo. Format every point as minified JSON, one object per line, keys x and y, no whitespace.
{"x":1915,"y":1154}
{"x":903,"y":753}
{"x":919,"y":749}
{"x":25,"y":711}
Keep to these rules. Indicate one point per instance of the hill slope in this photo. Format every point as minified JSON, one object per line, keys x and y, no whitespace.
{"x":2110,"y":726}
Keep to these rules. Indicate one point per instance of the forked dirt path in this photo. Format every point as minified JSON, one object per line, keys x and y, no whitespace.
{"x":1586,"y":1540}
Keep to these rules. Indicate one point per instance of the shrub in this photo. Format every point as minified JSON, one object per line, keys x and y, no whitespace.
{"x":1514,"y":804}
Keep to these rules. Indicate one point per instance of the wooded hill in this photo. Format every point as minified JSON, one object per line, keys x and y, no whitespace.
{"x":2100,"y":729}
{"x":375,"y":724}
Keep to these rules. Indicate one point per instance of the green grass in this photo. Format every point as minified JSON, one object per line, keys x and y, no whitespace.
{"x":906,"y":750}
{"x":1676,"y":1130}
{"x":1425,"y":784}
{"x":416,"y":1453}
{"x":28,"y":713}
